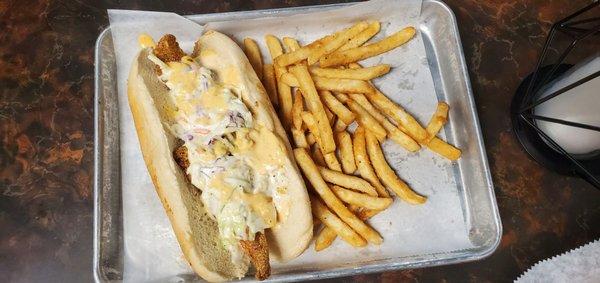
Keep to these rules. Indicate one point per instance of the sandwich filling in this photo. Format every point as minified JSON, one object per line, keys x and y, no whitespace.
{"x":234,"y":160}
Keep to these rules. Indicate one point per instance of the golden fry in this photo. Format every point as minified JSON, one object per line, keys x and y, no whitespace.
{"x":284,"y":91}
{"x":387,"y":175}
{"x":339,"y":125}
{"x":366,"y":120}
{"x":254,"y":56}
{"x":270,"y":83}
{"x":310,"y":138}
{"x":332,"y":162}
{"x":439,"y":118}
{"x":318,"y":156}
{"x":364,"y":74}
{"x":362,"y":37}
{"x":394,"y":133}
{"x":311,"y":172}
{"x":315,"y":106}
{"x":343,"y":85}
{"x":337,"y":107}
{"x":365,"y":169}
{"x":324,"y":238}
{"x":389,"y":108}
{"x":289,"y":79}
{"x":362,"y":200}
{"x":344,"y":143}
{"x":364,"y":52}
{"x":339,"y":39}
{"x":334,"y":223}
{"x":444,"y":149}
{"x":299,"y":138}
{"x":347,"y":181}
{"x":291,"y":44}
{"x":297,"y":108}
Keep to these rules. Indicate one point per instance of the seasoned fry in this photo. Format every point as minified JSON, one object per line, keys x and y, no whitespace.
{"x":334,"y":223}
{"x":339,"y":39}
{"x":344,"y":142}
{"x":284,"y":91}
{"x":339,"y":126}
{"x":270,"y":83}
{"x":365,"y":169}
{"x":337,"y":107}
{"x":366,"y":120}
{"x":302,"y":53}
{"x":297,"y":108}
{"x":394,"y":133}
{"x":315,"y":106}
{"x":342,"y":85}
{"x":444,"y":149}
{"x":291,"y":44}
{"x":311,"y":172}
{"x":387,"y":175}
{"x":318,"y":156}
{"x":347,"y":181}
{"x":364,"y":52}
{"x":324,"y":238}
{"x":439,"y":118}
{"x":289,"y":79}
{"x":362,"y":200}
{"x":331,"y":84}
{"x":362,"y":37}
{"x":310,"y":122}
{"x":254,"y":56}
{"x":330,"y":116}
{"x":310,"y":138}
{"x":364,"y":74}
{"x":399,"y":115}
{"x":332,"y":162}
{"x":299,"y":138}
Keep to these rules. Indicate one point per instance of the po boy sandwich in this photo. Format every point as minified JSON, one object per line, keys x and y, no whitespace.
{"x":218,"y":156}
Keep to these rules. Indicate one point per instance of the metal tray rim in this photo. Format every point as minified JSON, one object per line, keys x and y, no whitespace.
{"x":482,"y":252}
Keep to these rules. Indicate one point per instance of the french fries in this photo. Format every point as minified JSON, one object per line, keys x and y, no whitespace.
{"x":284,"y":91}
{"x":331,"y":84}
{"x":366,"y":120}
{"x":297,"y":108}
{"x":362,"y":37}
{"x":311,"y":172}
{"x":299,"y":138}
{"x":363,"y":163}
{"x":444,"y":149}
{"x":332,"y":162}
{"x":335,"y":224}
{"x":344,"y":143}
{"x":394,"y":133}
{"x":315,"y":106}
{"x":339,"y":39}
{"x":399,"y":115}
{"x":364,"y":74}
{"x":270,"y":83}
{"x":324,"y":238}
{"x":254,"y":56}
{"x":387,"y":175}
{"x":439,"y":118}
{"x":364,"y":52}
{"x":338,"y":92}
{"x":337,"y":107}
{"x":347,"y":181}
{"x":362,"y":200}
{"x":343,"y":85}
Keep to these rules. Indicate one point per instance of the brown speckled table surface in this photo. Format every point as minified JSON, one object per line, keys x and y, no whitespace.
{"x":46,"y":134}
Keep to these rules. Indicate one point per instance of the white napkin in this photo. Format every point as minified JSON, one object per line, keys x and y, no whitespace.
{"x":580,"y":265}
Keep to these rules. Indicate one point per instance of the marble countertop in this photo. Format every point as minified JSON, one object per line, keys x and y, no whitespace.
{"x":46,"y":137}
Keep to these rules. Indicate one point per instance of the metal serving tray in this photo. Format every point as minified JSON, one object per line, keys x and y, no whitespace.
{"x":446,"y":62}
